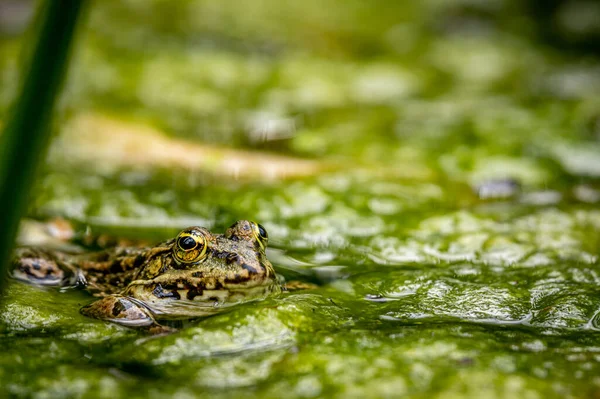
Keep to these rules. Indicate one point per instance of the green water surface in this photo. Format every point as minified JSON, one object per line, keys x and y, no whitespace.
{"x":426,"y":288}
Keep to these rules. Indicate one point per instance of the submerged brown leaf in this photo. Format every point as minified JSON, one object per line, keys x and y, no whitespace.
{"x":111,"y":143}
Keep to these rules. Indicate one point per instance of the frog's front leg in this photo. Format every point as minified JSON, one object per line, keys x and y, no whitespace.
{"x":125,"y":311}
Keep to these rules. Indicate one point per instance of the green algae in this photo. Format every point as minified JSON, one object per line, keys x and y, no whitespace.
{"x":425,"y":289}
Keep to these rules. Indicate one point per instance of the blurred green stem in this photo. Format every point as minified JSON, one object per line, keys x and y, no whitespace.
{"x":25,"y":139}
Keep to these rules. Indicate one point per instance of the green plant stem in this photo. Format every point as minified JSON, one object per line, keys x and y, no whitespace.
{"x":25,"y":139}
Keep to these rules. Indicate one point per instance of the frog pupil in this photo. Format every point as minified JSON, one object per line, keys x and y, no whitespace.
{"x":187,"y":243}
{"x":261,"y":231}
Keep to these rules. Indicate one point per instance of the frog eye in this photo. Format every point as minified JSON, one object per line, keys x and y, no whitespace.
{"x":190,"y":247}
{"x":260,"y":233}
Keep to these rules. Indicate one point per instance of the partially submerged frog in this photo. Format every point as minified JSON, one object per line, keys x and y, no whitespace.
{"x":195,"y":274}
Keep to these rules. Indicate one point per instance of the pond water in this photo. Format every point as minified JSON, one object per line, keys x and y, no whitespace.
{"x":437,"y":176}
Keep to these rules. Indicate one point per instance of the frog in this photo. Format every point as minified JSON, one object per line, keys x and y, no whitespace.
{"x":195,"y":274}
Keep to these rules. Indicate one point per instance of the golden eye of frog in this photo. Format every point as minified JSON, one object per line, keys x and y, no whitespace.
{"x":195,"y":274}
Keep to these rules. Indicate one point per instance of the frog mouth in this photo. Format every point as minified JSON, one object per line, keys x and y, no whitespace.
{"x":185,"y":309}
{"x":209,"y":303}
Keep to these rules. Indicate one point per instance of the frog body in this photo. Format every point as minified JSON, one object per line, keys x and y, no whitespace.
{"x":195,"y":274}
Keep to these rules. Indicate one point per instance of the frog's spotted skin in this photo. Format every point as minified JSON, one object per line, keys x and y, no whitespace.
{"x":195,"y":274}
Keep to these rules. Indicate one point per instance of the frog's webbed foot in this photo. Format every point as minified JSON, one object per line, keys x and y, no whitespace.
{"x":43,"y":268}
{"x":125,"y":311}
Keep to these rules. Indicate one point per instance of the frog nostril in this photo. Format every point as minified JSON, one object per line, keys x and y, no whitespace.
{"x":231,"y":258}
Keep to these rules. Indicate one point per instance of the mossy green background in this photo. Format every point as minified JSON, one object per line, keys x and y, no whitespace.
{"x":426,"y":290}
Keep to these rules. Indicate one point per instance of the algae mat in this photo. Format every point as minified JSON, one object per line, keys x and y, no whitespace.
{"x":433,"y":168}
